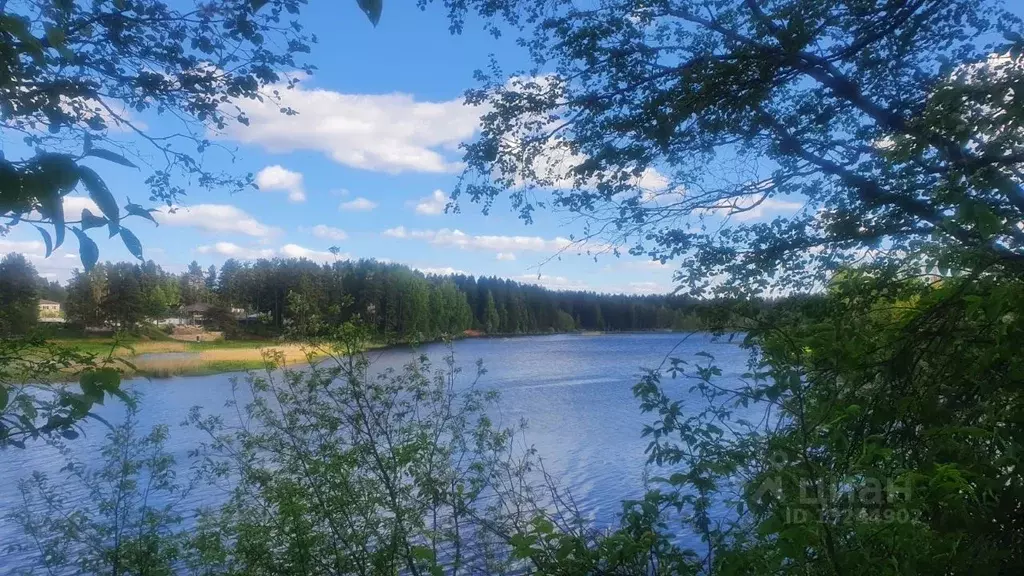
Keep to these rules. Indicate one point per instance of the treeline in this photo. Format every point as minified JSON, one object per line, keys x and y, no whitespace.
{"x":400,"y":303}
{"x":397,"y":302}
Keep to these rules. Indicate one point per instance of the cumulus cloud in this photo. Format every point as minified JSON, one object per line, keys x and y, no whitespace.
{"x":296,"y":251}
{"x":328,"y":232}
{"x":382,"y":132}
{"x":445,"y":271}
{"x":221,"y":218}
{"x":232,"y":250}
{"x":73,"y":206}
{"x":432,"y":205}
{"x":359,"y":204}
{"x":506,"y":256}
{"x":277,"y":177}
{"x":493,"y":243}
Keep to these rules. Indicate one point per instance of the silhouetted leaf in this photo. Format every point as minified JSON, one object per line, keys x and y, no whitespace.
{"x":131,"y":243}
{"x":52,"y":207}
{"x":137,"y":210}
{"x":111,"y":156}
{"x":99,"y":192}
{"x":372,"y":9}
{"x":87,"y":250}
{"x":90,"y":220}
{"x":46,"y":240}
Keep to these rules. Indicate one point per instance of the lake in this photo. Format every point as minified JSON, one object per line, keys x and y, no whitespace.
{"x":575,"y":391}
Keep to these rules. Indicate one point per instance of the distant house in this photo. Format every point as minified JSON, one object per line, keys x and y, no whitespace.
{"x":49,"y":311}
{"x":195,"y":314}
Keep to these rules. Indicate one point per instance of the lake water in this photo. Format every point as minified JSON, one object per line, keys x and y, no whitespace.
{"x":575,"y":391}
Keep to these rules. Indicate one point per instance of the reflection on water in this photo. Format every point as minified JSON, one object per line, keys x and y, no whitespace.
{"x":574,"y":391}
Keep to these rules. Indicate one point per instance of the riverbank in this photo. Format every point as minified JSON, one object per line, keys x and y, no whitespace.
{"x":164,"y":358}
{"x":167,"y":358}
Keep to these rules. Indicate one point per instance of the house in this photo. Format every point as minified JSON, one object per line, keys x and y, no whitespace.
{"x":195,"y":314}
{"x":49,"y":311}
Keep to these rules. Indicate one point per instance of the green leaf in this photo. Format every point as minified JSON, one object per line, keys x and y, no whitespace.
{"x":90,"y":220}
{"x":87,"y":250}
{"x":46,"y":240}
{"x":64,"y":5}
{"x":55,"y":36}
{"x":372,"y":9}
{"x":137,"y":210}
{"x":99,"y":192}
{"x":17,"y":26}
{"x":95,"y":382}
{"x":5,"y":395}
{"x":111,"y":156}
{"x":131,"y":243}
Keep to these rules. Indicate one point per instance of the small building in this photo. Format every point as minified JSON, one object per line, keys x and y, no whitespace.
{"x":195,"y":314}
{"x":49,"y":309}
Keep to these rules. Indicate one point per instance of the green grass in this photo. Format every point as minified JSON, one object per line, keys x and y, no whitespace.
{"x":203,"y":368}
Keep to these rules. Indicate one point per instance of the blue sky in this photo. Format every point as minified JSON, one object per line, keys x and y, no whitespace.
{"x":365,"y":166}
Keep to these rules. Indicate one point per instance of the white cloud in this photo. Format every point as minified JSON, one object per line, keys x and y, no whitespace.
{"x":396,"y":232}
{"x":27,"y":247}
{"x":647,"y":288}
{"x":432,"y":205}
{"x":277,"y":177}
{"x":458,"y":238}
{"x":360,"y":204}
{"x":296,"y":251}
{"x":382,"y":132}
{"x":73,"y":206}
{"x":445,"y":271}
{"x":232,"y":250}
{"x":506,"y":256}
{"x":215,"y":218}
{"x":328,"y":232}
{"x":58,"y":266}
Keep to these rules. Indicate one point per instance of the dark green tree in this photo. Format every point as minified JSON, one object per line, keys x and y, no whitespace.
{"x":19,"y":295}
{"x":491,"y":320}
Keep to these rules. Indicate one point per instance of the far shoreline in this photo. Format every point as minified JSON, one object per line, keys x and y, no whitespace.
{"x":158,"y":359}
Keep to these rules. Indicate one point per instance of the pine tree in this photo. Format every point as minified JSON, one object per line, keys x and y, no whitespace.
{"x":492,"y":322}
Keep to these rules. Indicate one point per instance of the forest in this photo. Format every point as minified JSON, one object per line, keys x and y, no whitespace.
{"x":395,"y":301}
